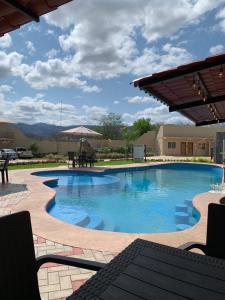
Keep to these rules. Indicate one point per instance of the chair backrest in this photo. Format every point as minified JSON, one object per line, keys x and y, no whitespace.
{"x":6,"y":162}
{"x":215,"y":243}
{"x":71,"y":155}
{"x":18,"y":274}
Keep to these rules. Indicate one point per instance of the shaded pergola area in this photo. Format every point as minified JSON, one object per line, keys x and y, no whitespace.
{"x":196,"y":90}
{"x":15,"y":13}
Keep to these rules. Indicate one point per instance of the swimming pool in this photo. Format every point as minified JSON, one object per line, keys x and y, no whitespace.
{"x":142,"y":200}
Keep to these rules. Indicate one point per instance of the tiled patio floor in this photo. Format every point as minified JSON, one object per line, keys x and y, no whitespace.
{"x":55,"y":281}
{"x":59,"y":281}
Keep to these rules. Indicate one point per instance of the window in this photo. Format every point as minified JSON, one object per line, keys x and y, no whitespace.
{"x":171,"y":145}
{"x":201,"y":146}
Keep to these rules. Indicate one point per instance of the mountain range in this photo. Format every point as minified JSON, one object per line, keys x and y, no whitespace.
{"x":43,"y":130}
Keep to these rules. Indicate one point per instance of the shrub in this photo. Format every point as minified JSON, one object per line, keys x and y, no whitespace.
{"x":112,"y":155}
{"x":105,"y":150}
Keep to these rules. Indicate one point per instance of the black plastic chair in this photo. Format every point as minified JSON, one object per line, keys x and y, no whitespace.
{"x":4,"y":170}
{"x":91,"y":159}
{"x":18,"y":265}
{"x":215,"y":240}
{"x":82,"y":160}
{"x":71,"y":158}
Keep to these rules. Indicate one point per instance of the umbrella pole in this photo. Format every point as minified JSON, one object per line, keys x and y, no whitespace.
{"x":80,"y":145}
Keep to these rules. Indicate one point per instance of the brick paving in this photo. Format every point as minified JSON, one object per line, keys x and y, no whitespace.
{"x":56,"y":282}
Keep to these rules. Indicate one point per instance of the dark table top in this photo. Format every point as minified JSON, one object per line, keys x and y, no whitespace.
{"x":146,"y":270}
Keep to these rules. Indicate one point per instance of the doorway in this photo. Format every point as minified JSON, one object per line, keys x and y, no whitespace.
{"x":190,"y":149}
{"x":183,"y":148}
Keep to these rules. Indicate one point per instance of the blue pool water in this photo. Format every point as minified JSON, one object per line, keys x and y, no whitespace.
{"x":145,"y":200}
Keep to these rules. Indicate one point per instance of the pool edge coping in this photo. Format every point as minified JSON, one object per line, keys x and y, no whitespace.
{"x":53,"y":229}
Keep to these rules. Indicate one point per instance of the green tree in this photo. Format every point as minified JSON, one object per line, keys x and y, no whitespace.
{"x":34,"y":148}
{"x":142,"y":126}
{"x":111,"y":126}
{"x":129,"y":135}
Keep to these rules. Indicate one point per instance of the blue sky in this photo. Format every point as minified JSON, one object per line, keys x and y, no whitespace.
{"x":77,"y":63}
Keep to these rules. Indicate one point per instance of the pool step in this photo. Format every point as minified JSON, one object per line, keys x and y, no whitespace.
{"x":96,"y":222}
{"x":83,"y":222}
{"x":181,"y":227}
{"x":71,"y":215}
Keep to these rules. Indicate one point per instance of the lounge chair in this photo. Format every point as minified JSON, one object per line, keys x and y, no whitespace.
{"x":215,"y":240}
{"x":18,"y":265}
{"x":4,"y":170}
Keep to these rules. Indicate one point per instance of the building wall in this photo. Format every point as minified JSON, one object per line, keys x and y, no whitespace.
{"x":178,"y":133}
{"x":156,"y":142}
{"x":148,"y":139}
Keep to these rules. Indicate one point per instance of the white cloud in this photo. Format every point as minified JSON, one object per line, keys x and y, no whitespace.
{"x":116,"y":102}
{"x":158,"y":114}
{"x":5,"y":41}
{"x":139,"y":99}
{"x":151,"y":61}
{"x":55,"y":72}
{"x":4,"y":88}
{"x":111,"y":50}
{"x":221,"y":17}
{"x":41,"y":75}
{"x":30,"y":47}
{"x":94,"y":112}
{"x":10,"y":64}
{"x":216,"y":49}
{"x":38,"y":109}
{"x":50,"y":32}
{"x":52,"y":53}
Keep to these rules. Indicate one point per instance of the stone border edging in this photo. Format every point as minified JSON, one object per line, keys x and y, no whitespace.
{"x":48,"y":227}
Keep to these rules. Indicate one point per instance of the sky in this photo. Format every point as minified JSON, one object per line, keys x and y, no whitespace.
{"x":76,"y":64}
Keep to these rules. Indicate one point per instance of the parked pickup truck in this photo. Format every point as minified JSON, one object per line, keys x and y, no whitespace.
{"x":24,"y":153}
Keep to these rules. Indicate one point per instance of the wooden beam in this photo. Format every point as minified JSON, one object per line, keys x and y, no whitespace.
{"x":22,"y":9}
{"x":197,"y":103}
{"x":206,"y":64}
{"x":210,"y":122}
{"x":202,"y":84}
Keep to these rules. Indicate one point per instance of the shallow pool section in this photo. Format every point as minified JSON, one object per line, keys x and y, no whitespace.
{"x":142,"y":200}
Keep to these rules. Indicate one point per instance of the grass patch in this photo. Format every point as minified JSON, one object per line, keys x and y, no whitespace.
{"x":126,"y":162}
{"x":118,"y":162}
{"x":35,"y":165}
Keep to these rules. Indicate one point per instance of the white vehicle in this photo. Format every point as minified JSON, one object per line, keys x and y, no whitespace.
{"x":8,"y":153}
{"x":24,"y":153}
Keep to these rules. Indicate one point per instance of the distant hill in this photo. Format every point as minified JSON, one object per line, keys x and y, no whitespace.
{"x":43,"y":130}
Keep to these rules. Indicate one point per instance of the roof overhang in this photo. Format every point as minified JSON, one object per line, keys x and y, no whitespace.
{"x":196,"y":90}
{"x":14,"y":13}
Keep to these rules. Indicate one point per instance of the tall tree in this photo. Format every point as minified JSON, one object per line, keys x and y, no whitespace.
{"x":111,"y":126}
{"x":142,"y":126}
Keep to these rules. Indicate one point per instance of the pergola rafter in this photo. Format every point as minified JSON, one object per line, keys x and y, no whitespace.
{"x":196,"y":90}
{"x":15,"y":13}
{"x":22,"y":9}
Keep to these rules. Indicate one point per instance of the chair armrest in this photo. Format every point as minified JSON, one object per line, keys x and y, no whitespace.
{"x":191,"y":245}
{"x":70,"y":261}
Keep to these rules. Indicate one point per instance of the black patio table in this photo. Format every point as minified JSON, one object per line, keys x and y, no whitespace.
{"x":147,"y":270}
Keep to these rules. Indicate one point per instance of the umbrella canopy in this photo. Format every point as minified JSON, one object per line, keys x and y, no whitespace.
{"x":6,"y":121}
{"x":81,"y":132}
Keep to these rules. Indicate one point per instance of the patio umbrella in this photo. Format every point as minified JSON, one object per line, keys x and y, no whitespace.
{"x":82,"y":132}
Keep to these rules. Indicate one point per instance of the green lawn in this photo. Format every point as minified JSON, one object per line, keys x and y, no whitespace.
{"x":37,"y":165}
{"x":99,"y":163}
{"x":118,"y":162}
{"x":52,"y":165}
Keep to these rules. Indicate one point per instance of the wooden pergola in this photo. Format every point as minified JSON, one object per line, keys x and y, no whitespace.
{"x":14,"y":13}
{"x":196,"y":90}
